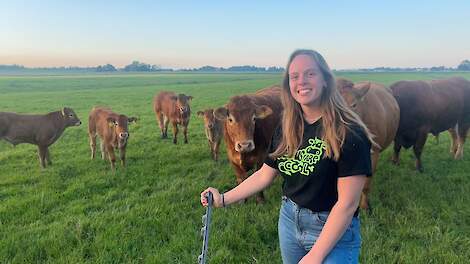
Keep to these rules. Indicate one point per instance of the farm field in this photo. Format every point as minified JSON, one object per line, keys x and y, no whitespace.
{"x":78,"y":211}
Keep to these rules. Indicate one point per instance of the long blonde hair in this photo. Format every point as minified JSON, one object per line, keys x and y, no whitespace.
{"x":337,"y":117}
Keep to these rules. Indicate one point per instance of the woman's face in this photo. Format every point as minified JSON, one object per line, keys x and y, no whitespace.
{"x":305,"y":80}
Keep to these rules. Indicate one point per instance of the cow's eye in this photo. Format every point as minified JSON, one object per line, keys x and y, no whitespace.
{"x":70,"y":115}
{"x":253,"y":119}
{"x":230,"y":120}
{"x":354,"y":105}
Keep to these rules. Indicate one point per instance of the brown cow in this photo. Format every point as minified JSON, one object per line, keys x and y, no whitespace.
{"x":175,"y":108}
{"x":213,"y":129}
{"x":250,"y":121}
{"x":379,"y":111}
{"x":431,"y":107}
{"x":112,"y":130}
{"x":40,"y":130}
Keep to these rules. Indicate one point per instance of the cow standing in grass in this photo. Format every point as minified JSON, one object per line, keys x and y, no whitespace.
{"x":113,"y":132}
{"x":379,"y":111}
{"x":431,"y":107}
{"x":40,"y":130}
{"x":249,"y":124}
{"x":175,"y":108}
{"x":214,"y":131}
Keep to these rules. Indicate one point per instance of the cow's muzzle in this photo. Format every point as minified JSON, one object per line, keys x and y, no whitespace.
{"x":244,"y":146}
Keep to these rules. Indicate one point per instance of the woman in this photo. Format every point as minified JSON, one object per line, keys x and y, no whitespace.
{"x":322,"y":150}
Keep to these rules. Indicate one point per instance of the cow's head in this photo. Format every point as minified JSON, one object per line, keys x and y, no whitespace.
{"x":353,"y":94}
{"x":119,"y":124}
{"x":182,"y":104}
{"x":240,"y":116}
{"x":210,"y":122}
{"x":71,"y":119}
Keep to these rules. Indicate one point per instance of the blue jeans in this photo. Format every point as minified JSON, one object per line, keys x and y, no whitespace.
{"x":300,"y":227}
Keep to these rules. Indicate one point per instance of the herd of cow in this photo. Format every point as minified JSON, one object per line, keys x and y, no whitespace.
{"x":406,"y":112}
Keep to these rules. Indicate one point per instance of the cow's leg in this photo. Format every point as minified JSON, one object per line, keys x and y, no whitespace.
{"x":104,"y":154}
{"x":122,"y":156}
{"x":396,"y":152}
{"x":112,"y":157}
{"x":364,"y":203}
{"x":216,"y":150}
{"x":165,"y":130}
{"x":175,"y":131}
{"x":462,"y":136}
{"x":454,"y":140}
{"x":160,"y":122}
{"x":93,"y":146}
{"x":185,"y":133}
{"x":48,"y":157}
{"x":42,"y":156}
{"x":418,"y":148}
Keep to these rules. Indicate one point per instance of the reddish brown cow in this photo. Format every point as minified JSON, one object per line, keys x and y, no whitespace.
{"x":213,"y":129}
{"x":250,"y":121}
{"x":40,"y":130}
{"x":379,"y":111}
{"x":175,"y":108}
{"x":112,"y":130}
{"x":431,"y":107}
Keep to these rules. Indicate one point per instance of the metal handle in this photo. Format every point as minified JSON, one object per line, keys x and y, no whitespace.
{"x":206,"y":220}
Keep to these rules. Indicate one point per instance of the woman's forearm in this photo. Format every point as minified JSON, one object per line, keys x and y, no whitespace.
{"x":258,"y":181}
{"x":338,"y":221}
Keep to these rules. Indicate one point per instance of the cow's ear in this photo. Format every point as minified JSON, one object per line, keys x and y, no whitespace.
{"x":221,"y":113}
{"x":111,"y":121}
{"x":132,"y":119}
{"x":200,"y":113}
{"x":344,"y":85}
{"x":174,"y":98}
{"x":361,"y":90}
{"x":263,"y":111}
{"x":189,"y":97}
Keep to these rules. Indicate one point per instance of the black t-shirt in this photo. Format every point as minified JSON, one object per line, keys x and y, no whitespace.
{"x":310,"y":179}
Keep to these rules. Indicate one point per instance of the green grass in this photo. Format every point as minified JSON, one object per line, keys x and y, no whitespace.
{"x":77,"y":211}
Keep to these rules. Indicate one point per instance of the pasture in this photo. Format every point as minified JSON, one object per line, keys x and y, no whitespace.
{"x":78,"y":211}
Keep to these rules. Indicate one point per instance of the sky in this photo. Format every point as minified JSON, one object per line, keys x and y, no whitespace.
{"x":188,"y":34}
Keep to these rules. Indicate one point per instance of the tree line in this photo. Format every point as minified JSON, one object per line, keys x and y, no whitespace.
{"x":137,"y":66}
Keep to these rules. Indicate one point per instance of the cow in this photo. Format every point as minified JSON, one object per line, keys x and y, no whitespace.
{"x":249,"y":123}
{"x":214,"y":131}
{"x":113,"y":132}
{"x":378,"y":109}
{"x":175,"y":108}
{"x":40,"y":130}
{"x":431,"y":107}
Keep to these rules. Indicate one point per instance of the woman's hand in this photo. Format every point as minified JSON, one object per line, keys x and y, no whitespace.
{"x":217,"y":198}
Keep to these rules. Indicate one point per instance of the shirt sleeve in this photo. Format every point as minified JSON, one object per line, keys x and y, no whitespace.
{"x":355,"y":154}
{"x":272,"y":147}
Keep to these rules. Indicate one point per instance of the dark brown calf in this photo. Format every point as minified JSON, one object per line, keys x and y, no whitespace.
{"x":113,"y":132}
{"x":175,"y":108}
{"x":214,"y":131}
{"x":40,"y":130}
{"x":249,"y":123}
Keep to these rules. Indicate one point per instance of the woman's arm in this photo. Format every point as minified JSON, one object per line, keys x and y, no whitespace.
{"x":349,"y":194}
{"x":258,"y":181}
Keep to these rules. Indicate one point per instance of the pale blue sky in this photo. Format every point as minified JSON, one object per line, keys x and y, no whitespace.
{"x":178,"y":34}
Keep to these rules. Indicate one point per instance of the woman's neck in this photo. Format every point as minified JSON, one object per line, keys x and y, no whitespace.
{"x":311,"y":114}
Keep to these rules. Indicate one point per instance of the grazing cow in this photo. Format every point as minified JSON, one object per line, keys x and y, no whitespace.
{"x":431,"y":107}
{"x":379,"y":111}
{"x":249,"y":123}
{"x":112,"y":130}
{"x":214,"y":132}
{"x":175,"y":108}
{"x":40,"y":130}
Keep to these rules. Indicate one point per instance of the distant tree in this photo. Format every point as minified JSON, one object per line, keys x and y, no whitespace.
{"x":464,"y":66}
{"x":138,"y":66}
{"x":106,"y":68}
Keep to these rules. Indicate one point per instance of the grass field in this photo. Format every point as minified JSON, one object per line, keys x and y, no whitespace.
{"x":77,"y":211}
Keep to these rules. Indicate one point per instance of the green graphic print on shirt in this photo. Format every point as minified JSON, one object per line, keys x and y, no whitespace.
{"x":304,"y":160}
